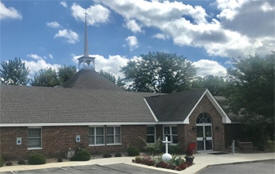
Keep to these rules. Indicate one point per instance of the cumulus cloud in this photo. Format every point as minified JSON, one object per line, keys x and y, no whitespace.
{"x":8,"y":12}
{"x":53,"y":24}
{"x":160,"y":36}
{"x":227,"y":34}
{"x":209,"y":67}
{"x":69,"y":35}
{"x":132,"y":42}
{"x":95,"y":14}
{"x":34,"y":56}
{"x":111,"y":64}
{"x":35,"y":65}
{"x":64,"y":4}
{"x":133,"y":26}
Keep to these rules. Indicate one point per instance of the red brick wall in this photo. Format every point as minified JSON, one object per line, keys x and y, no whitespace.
{"x":57,"y":140}
{"x":217,"y":126}
{"x":8,"y":142}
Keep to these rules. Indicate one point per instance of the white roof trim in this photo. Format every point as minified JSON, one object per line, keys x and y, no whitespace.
{"x":186,"y":120}
{"x":225,"y":118}
{"x":152,"y":112}
{"x":85,"y":124}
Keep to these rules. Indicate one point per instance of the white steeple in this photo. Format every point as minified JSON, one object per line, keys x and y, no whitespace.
{"x":86,"y":62}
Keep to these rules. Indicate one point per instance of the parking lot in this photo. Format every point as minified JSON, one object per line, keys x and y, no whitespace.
{"x":262,"y":167}
{"x":92,"y":169}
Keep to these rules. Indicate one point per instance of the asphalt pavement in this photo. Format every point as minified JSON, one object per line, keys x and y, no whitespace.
{"x":92,"y":169}
{"x":261,"y":167}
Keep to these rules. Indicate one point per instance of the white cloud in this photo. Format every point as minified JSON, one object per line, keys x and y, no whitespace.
{"x":64,"y":4}
{"x":53,"y":24}
{"x":160,"y":36}
{"x":133,"y":26}
{"x":34,"y":56}
{"x":132,"y":42}
{"x":95,"y":14}
{"x":35,"y":66}
{"x":112,"y":64}
{"x":69,"y":35}
{"x":50,"y":56}
{"x":241,"y":28}
{"x":8,"y":12}
{"x":209,"y":67}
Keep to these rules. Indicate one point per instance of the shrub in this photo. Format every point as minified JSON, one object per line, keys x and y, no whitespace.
{"x":132,"y":151}
{"x":21,"y":162}
{"x":9,"y":163}
{"x":118,"y":154}
{"x":59,"y":159}
{"x":154,"y":148}
{"x":173,"y":149}
{"x":36,"y":158}
{"x":1,"y":161}
{"x":107,"y":155}
{"x":81,"y":155}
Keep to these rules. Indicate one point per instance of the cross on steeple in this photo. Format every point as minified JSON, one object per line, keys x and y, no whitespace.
{"x":86,"y":61}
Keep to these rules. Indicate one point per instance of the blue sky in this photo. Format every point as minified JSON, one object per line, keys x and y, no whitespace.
{"x":208,"y":32}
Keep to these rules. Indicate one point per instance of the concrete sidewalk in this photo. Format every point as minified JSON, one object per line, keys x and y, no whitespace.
{"x":201,"y":161}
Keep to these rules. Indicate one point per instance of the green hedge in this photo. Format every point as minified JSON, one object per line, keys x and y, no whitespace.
{"x":36,"y":158}
{"x":81,"y":155}
{"x":132,"y":151}
{"x":1,"y":161}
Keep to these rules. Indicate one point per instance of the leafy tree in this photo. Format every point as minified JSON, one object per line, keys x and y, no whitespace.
{"x":14,"y":72}
{"x":45,"y":77}
{"x":216,"y":85}
{"x":251,"y":96}
{"x":159,"y":72}
{"x":65,"y":73}
{"x":108,"y":76}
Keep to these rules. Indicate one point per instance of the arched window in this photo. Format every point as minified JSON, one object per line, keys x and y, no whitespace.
{"x":204,"y":118}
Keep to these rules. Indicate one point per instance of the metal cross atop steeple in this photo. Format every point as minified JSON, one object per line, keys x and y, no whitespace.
{"x":86,"y":61}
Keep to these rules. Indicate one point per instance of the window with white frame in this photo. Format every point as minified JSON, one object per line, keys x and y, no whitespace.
{"x":113,"y":135}
{"x":96,"y":136}
{"x":151,"y":134}
{"x":34,"y":138}
{"x":171,"y":132}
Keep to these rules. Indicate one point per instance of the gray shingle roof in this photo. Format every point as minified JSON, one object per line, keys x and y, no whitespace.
{"x":175,"y":106}
{"x":62,"y":105}
{"x":89,"y":79}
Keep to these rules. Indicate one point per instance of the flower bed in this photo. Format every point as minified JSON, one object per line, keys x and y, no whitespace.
{"x":176,"y":163}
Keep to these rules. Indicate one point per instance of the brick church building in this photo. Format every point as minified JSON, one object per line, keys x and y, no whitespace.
{"x":91,"y":112}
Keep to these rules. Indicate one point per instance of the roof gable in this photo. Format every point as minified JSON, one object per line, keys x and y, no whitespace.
{"x":175,"y":106}
{"x":178,"y":107}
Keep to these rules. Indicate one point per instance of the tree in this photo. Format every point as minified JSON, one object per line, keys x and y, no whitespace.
{"x":159,"y":72}
{"x":251,"y":96}
{"x":216,"y":85}
{"x":14,"y":72}
{"x":65,"y":73}
{"x":45,"y":77}
{"x":108,"y":76}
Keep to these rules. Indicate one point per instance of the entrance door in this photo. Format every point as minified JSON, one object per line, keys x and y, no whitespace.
{"x":204,"y":132}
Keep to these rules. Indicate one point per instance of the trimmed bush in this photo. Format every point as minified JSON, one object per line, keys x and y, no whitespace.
{"x":81,"y":155}
{"x":9,"y":163}
{"x":1,"y":161}
{"x":107,"y":155}
{"x":118,"y":154}
{"x":21,"y":162}
{"x":132,"y":151}
{"x":36,"y":158}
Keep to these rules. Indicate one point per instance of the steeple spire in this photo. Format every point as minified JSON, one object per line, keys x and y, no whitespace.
{"x":86,"y":61}
{"x":86,"y":54}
